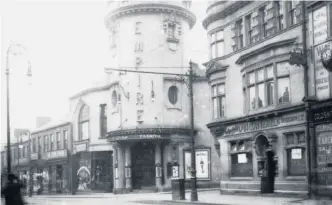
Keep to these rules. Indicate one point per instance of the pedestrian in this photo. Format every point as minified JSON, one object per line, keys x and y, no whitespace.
{"x":12,"y":191}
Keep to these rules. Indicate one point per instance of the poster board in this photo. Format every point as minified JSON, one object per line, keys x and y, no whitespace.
{"x":202,"y":157}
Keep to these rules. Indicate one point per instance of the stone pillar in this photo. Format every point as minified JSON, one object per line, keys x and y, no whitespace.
{"x":158,"y":166}
{"x":128,"y":168}
{"x":119,"y":169}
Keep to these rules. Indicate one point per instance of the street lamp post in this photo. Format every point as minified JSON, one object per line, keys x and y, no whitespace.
{"x":9,"y":50}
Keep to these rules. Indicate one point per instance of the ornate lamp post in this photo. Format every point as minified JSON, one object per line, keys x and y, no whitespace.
{"x":17,"y":52}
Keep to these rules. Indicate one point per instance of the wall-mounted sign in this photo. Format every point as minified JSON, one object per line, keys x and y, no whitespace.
{"x":242,"y":158}
{"x":320,"y":25}
{"x":324,"y":156}
{"x":322,"y":114}
{"x":321,"y":74}
{"x":83,"y":147}
{"x":263,"y":124}
{"x":138,"y":137}
{"x":202,"y":157}
{"x":296,"y":153}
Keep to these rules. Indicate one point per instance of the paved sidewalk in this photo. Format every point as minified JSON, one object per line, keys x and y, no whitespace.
{"x":206,"y":197}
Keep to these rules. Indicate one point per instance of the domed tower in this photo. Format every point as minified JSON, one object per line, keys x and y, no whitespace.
{"x":148,"y":113}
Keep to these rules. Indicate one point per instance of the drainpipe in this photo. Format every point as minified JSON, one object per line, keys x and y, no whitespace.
{"x":307,"y":100}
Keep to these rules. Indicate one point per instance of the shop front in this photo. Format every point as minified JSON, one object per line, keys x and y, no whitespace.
{"x":265,"y":153}
{"x":57,"y":169}
{"x":322,"y":119}
{"x":143,"y":159}
{"x":93,"y":171}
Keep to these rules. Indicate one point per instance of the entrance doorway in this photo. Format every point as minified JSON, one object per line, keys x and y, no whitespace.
{"x":143,"y":165}
{"x":266,"y":164}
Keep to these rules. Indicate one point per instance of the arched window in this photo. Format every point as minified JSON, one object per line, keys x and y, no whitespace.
{"x":83,"y":122}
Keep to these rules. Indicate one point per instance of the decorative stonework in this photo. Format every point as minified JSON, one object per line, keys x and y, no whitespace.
{"x":172,"y":29}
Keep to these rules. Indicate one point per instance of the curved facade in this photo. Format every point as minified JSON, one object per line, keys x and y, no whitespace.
{"x":148,"y":122}
{"x":259,"y":117}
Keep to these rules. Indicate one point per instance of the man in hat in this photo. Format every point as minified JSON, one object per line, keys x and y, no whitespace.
{"x":12,"y":191}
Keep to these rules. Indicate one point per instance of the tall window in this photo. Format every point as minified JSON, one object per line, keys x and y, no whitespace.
{"x":296,"y":153}
{"x":52,"y":142}
{"x":65,"y":139}
{"x":46,"y":143}
{"x":293,"y":17}
{"x":103,"y":119}
{"x":241,"y":158}
{"x":238,"y":35}
{"x":283,"y":82}
{"x":84,"y":123}
{"x":279,"y":11}
{"x":218,"y":100}
{"x":217,"y":44}
{"x":39,"y":144}
{"x":24,"y":152}
{"x":58,"y":141}
{"x":262,"y":22}
{"x":260,"y":87}
{"x":248,"y":29}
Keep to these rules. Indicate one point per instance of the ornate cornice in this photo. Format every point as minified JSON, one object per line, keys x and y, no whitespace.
{"x":277,"y":44}
{"x":225,"y":12}
{"x":213,"y":67}
{"x":150,"y":8}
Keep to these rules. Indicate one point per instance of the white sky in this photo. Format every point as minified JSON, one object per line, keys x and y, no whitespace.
{"x":68,"y":46}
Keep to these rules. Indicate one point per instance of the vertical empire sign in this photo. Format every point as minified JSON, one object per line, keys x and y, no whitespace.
{"x":320,"y":33}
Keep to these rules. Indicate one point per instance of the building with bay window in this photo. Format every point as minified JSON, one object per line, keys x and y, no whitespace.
{"x":258,"y":115}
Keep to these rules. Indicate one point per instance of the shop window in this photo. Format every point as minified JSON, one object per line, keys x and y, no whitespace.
{"x":103,"y":120}
{"x":296,"y":153}
{"x":84,"y":123}
{"x":173,"y":93}
{"x":218,"y":100}
{"x":217,"y":44}
{"x":58,"y":141}
{"x":283,"y":82}
{"x":241,"y":158}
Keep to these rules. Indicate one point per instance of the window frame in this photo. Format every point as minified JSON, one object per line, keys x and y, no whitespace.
{"x":82,"y":120}
{"x":279,"y":15}
{"x":246,"y":150}
{"x":103,"y":119}
{"x":58,"y":141}
{"x":239,"y":35}
{"x":262,"y":23}
{"x":249,"y":29}
{"x":219,"y":99}
{"x":288,"y":147}
{"x":215,"y":41}
{"x":267,"y":79}
{"x":52,"y":142}
{"x":65,"y":139}
{"x":175,"y":93}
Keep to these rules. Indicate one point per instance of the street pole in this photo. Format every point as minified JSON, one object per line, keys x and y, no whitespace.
{"x":8,"y":118}
{"x":30,"y":168}
{"x":194,"y":196}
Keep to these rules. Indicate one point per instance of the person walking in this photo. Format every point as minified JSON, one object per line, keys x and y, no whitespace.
{"x":12,"y":191}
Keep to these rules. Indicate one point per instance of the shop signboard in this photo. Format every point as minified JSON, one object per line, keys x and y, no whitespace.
{"x":324,"y":154}
{"x":138,"y":137}
{"x":320,"y":29}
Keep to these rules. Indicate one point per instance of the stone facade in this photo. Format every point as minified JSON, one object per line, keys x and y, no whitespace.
{"x":261,"y":126}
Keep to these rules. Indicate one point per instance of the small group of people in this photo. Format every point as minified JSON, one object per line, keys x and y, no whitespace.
{"x":11,"y":191}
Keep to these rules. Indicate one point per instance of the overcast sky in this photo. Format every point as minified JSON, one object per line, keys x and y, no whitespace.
{"x":67,"y":44}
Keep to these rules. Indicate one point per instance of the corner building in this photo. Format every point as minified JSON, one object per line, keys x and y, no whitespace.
{"x":256,"y":95}
{"x":148,"y":114}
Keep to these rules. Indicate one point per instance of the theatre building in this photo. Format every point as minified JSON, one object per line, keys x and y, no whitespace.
{"x":148,"y":114}
{"x":256,"y":95}
{"x":320,"y":44}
